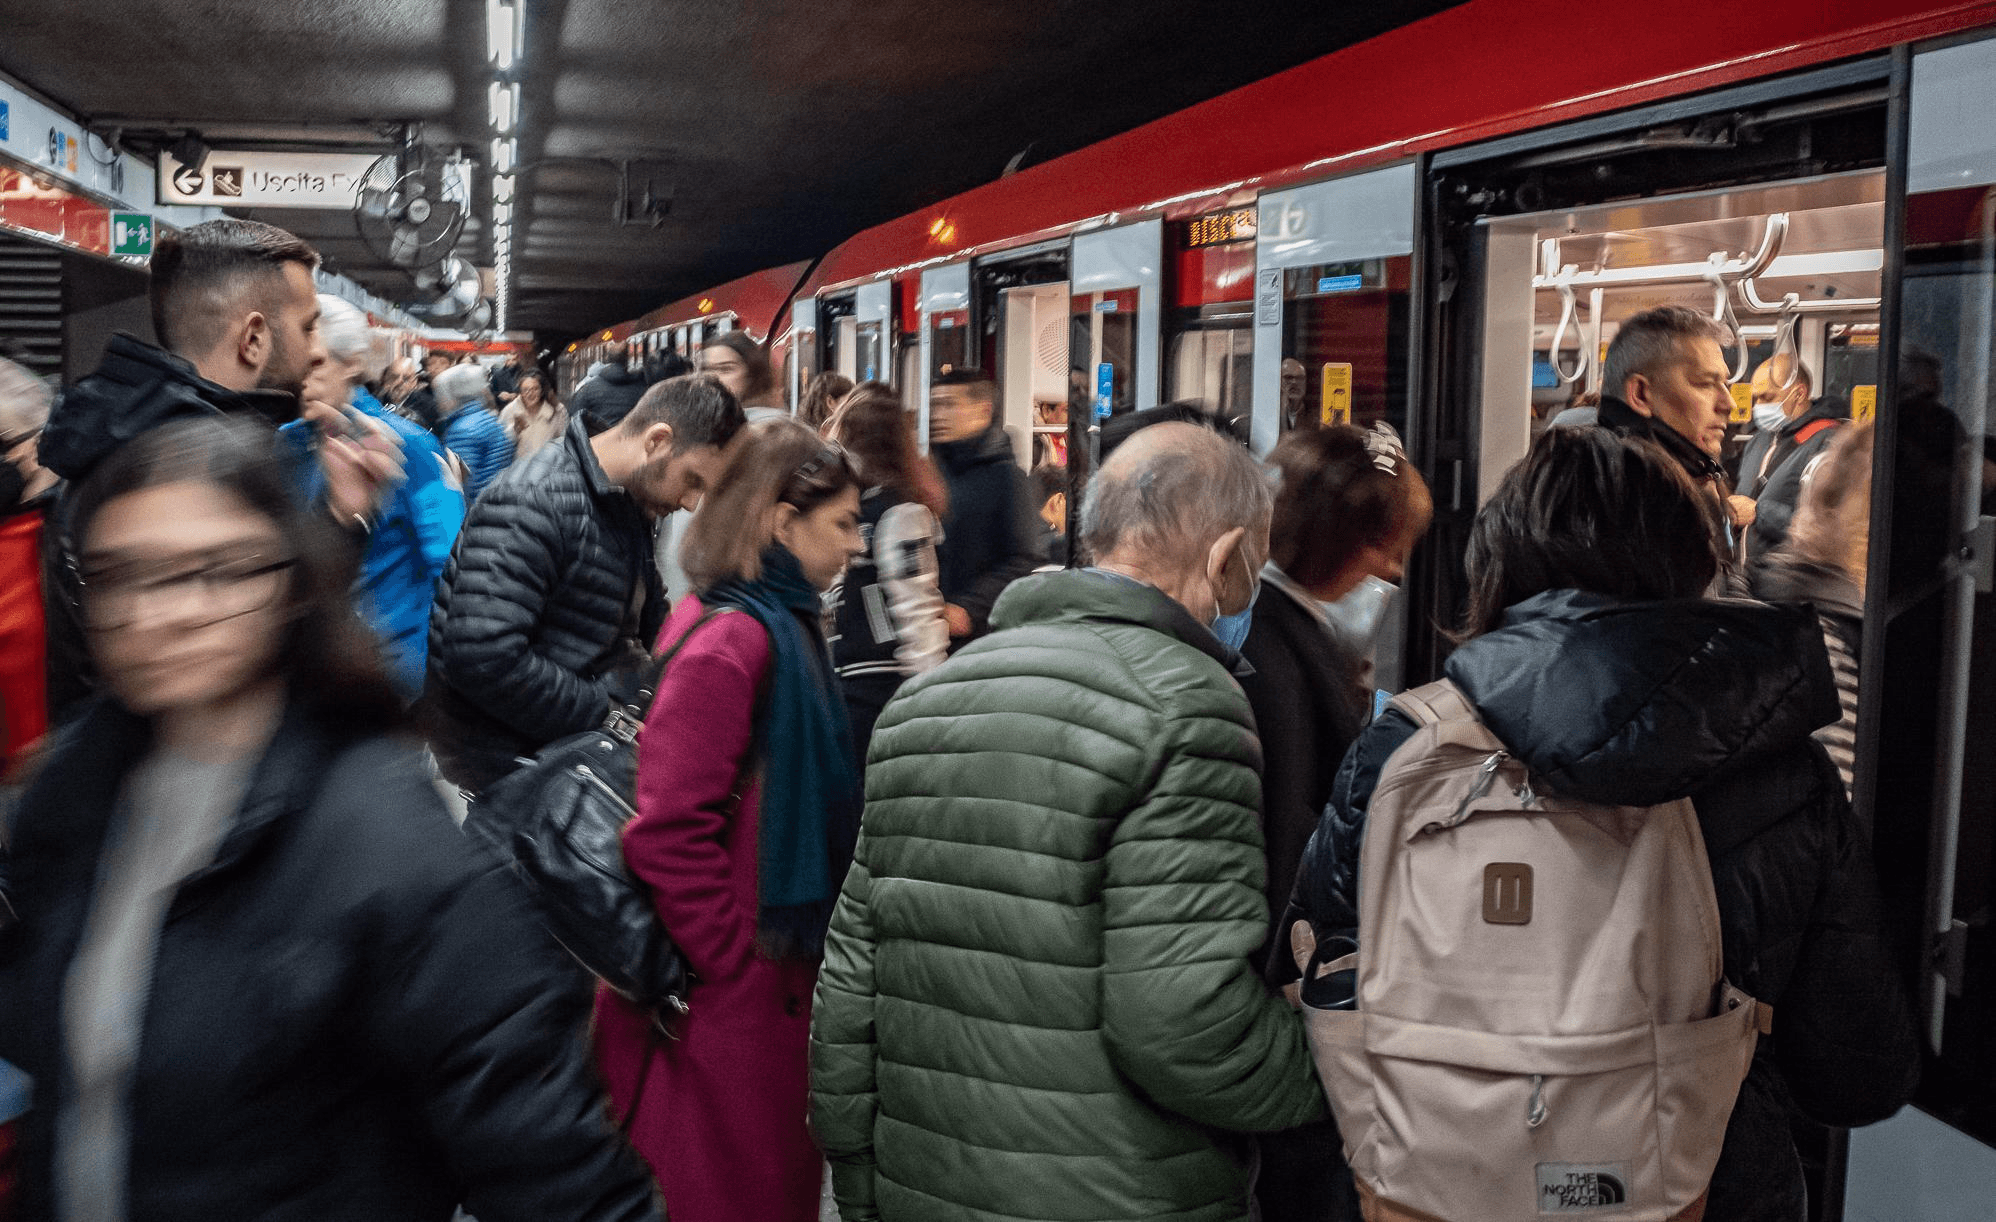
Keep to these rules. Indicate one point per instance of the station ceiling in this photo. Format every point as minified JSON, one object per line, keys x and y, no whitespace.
{"x":778,"y":127}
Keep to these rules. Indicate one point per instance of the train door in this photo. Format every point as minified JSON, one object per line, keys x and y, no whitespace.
{"x":1020,"y":315}
{"x":945,"y":332}
{"x":1209,"y":344}
{"x":873,"y":325}
{"x":1332,"y":267}
{"x":838,"y":332}
{"x":1930,"y":636}
{"x":803,"y":360}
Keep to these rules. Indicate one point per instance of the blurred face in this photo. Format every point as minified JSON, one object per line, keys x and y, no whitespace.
{"x":957,"y":413}
{"x":436,"y":363}
{"x":668,"y":482}
{"x":295,"y":350}
{"x":1689,"y":394}
{"x":328,"y":383}
{"x":725,"y":364}
{"x":401,"y":380}
{"x":184,"y":596}
{"x":530,"y":392}
{"x":825,"y":539}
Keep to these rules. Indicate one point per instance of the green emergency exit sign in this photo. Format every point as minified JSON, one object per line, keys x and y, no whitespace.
{"x":131,"y":233}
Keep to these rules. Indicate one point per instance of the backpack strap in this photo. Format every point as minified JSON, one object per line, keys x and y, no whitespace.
{"x":1814,"y":429}
{"x":1436,"y":702}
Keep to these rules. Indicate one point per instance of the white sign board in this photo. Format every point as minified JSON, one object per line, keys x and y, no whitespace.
{"x":265,"y":180}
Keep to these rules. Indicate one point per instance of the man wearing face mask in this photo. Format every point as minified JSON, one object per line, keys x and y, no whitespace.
{"x":1348,"y":510}
{"x":25,"y":486}
{"x":1072,"y":797}
{"x":1790,"y":433}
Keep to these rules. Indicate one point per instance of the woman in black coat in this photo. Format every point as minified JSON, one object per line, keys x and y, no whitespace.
{"x":1595,"y":658}
{"x":254,"y":970}
{"x":1348,"y":511}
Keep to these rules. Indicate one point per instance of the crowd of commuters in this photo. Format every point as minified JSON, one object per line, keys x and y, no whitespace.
{"x":995,"y":857}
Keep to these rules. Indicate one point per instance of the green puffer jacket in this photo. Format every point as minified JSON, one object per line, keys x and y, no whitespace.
{"x":1036,"y":999}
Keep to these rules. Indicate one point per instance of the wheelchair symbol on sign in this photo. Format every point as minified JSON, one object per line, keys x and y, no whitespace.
{"x":187,"y":180}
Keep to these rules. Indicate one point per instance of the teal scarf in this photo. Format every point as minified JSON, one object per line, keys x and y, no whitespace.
{"x":810,"y":795}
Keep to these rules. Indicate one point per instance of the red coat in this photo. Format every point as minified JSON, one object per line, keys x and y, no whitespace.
{"x":722,"y":1119}
{"x":24,"y":711}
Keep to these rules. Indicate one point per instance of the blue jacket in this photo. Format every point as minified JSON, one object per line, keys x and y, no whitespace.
{"x":410,"y":545}
{"x":473,"y":433}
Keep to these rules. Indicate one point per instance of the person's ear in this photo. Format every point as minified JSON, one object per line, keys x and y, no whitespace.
{"x":253,"y":341}
{"x":785,"y":529}
{"x":657,"y":441}
{"x":1222,"y":555}
{"x":1636,"y":393}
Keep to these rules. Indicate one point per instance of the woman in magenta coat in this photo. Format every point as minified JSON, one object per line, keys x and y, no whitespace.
{"x":747,"y":812}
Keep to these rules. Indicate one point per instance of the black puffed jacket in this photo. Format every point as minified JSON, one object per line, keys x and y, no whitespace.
{"x":352,"y":1014}
{"x":1638,"y":704}
{"x":529,"y":615}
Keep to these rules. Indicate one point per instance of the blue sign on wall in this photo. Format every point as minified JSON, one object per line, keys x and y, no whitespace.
{"x":1340,"y":284}
{"x":3,"y":119}
{"x":1105,"y":388}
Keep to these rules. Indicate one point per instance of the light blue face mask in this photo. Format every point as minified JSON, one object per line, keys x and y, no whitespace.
{"x":1233,"y":629}
{"x":1357,"y":615}
{"x":1768,"y":417}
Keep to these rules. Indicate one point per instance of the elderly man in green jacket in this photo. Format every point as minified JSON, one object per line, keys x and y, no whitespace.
{"x":1036,"y":1000}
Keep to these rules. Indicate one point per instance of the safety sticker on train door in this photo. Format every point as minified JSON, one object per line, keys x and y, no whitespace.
{"x":1863,"y":402}
{"x":1742,"y":393}
{"x":1337,"y":392}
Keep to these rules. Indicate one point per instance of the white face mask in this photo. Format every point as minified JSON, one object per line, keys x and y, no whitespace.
{"x":1357,"y":615}
{"x":1768,"y":417}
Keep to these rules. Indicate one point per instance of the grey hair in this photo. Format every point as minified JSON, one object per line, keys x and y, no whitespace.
{"x":24,"y":399}
{"x":1652,"y":340}
{"x":458,"y":385}
{"x":1170,"y":500}
{"x":343,"y":328}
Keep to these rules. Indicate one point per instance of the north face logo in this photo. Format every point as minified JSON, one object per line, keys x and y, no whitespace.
{"x":1569,"y":1187}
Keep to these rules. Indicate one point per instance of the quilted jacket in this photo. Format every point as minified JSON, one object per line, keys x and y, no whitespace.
{"x":1037,"y":1000}
{"x":532,"y":610}
{"x":473,"y":433}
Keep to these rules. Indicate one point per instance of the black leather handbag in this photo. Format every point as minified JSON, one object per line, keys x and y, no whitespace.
{"x":560,"y":817}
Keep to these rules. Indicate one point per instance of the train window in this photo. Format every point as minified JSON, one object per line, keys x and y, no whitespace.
{"x":949,"y":341}
{"x":1102,"y":351}
{"x":1210,"y":360}
{"x":866,"y":351}
{"x":1344,"y":343}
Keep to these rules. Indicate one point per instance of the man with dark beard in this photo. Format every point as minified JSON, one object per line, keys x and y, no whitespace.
{"x":237,"y":313}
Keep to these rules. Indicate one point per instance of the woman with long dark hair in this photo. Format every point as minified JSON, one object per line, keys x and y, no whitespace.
{"x":748,"y":807}
{"x":741,"y":365}
{"x":255,"y":968}
{"x":889,"y":619}
{"x":822,"y":399}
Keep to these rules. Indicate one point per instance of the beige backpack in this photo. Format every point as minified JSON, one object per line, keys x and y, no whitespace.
{"x":1542,"y":1029}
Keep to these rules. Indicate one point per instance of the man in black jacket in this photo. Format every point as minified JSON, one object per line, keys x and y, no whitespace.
{"x":1665,"y":380}
{"x":553,"y":590}
{"x":990,"y":534}
{"x":235,"y":306}
{"x":605,"y":399}
{"x":1793,"y":432}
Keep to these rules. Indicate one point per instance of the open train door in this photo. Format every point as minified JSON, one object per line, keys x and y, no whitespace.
{"x":1926,"y":774}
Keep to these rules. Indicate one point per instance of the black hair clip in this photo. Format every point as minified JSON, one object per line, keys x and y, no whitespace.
{"x":827,"y":454}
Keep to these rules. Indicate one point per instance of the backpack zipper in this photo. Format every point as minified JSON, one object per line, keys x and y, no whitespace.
{"x":1486,"y":776}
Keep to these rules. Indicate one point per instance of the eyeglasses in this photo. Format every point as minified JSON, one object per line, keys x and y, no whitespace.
{"x":203,"y":595}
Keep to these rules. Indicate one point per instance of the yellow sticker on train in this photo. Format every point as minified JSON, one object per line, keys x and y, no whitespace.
{"x":1337,"y":392}
{"x":1863,"y":402}
{"x":1742,"y":402}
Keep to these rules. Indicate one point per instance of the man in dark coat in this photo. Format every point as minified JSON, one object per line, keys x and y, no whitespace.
{"x":991,"y":533}
{"x":553,"y":589}
{"x":1793,"y":432}
{"x":235,"y":306}
{"x":1665,"y":380}
{"x":607,"y":398}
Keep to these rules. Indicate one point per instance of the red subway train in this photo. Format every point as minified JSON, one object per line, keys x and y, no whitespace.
{"x":1441,"y":228}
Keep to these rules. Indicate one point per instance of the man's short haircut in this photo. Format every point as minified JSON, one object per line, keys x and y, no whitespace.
{"x":1049,"y":481}
{"x":1801,"y":372}
{"x":459,"y":385}
{"x":343,"y":329}
{"x":1175,"y":496}
{"x":696,"y":405}
{"x":1650,"y":341}
{"x":24,"y":400}
{"x":205,"y":278}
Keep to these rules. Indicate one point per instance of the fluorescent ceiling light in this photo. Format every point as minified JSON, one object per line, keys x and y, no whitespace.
{"x":505,"y":106}
{"x":1826,"y":263}
{"x":502,"y":214}
{"x":502,"y":189}
{"x":503,"y":152}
